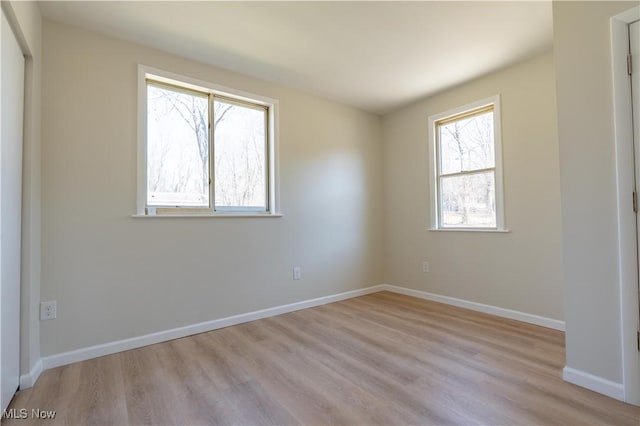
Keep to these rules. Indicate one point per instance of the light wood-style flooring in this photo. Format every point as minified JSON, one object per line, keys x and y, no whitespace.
{"x":381,"y":359}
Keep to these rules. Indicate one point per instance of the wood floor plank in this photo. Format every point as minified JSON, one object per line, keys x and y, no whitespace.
{"x":250,"y":404}
{"x":380,"y":359}
{"x":407,"y":407}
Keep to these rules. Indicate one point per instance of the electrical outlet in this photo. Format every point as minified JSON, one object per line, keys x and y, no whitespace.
{"x":425,"y":266}
{"x":297,"y":273}
{"x":48,"y":310}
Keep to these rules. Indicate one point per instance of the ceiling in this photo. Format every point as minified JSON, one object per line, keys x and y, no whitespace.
{"x":376,"y":56}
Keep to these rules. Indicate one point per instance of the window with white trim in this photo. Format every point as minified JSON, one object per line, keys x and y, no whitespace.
{"x":466,"y":184}
{"x":207,"y":150}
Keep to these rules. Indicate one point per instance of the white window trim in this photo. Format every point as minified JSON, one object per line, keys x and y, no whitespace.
{"x":433,"y":153}
{"x":273,"y":184}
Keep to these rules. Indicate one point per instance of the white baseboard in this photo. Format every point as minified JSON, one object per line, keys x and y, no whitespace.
{"x":594,"y":383}
{"x":480,"y":307}
{"x":83,"y":354}
{"x":28,"y":380}
{"x":571,"y":375}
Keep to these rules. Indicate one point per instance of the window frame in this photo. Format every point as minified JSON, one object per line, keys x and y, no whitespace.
{"x":435,"y":163}
{"x":225,"y":94}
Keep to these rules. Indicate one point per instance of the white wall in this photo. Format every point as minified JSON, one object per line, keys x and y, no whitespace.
{"x":116,"y":277}
{"x":588,"y":185}
{"x":520,"y":270}
{"x":27,"y":22}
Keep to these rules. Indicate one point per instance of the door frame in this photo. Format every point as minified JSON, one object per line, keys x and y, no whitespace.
{"x":15,"y":147}
{"x":627,"y":226}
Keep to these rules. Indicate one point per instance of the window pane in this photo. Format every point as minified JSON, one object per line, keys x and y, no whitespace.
{"x":468,"y":201}
{"x":467,"y":144}
{"x":240,"y":162}
{"x":177,"y":148}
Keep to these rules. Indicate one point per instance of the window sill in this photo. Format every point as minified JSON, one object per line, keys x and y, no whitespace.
{"x":499,"y":231}
{"x":208,"y":216}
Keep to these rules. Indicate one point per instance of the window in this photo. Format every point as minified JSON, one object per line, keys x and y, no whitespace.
{"x":466,"y":184}
{"x":206,"y":150}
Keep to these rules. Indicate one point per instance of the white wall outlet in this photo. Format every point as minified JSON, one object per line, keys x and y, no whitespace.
{"x":297,"y":273}
{"x":425,"y":266}
{"x":48,"y":310}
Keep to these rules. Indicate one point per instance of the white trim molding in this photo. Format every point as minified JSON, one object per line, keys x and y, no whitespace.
{"x":594,"y":383}
{"x":176,"y":333}
{"x":109,"y":348}
{"x":571,"y":375}
{"x":83,"y":354}
{"x":29,"y":379}
{"x":625,"y":175}
{"x":480,"y":307}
